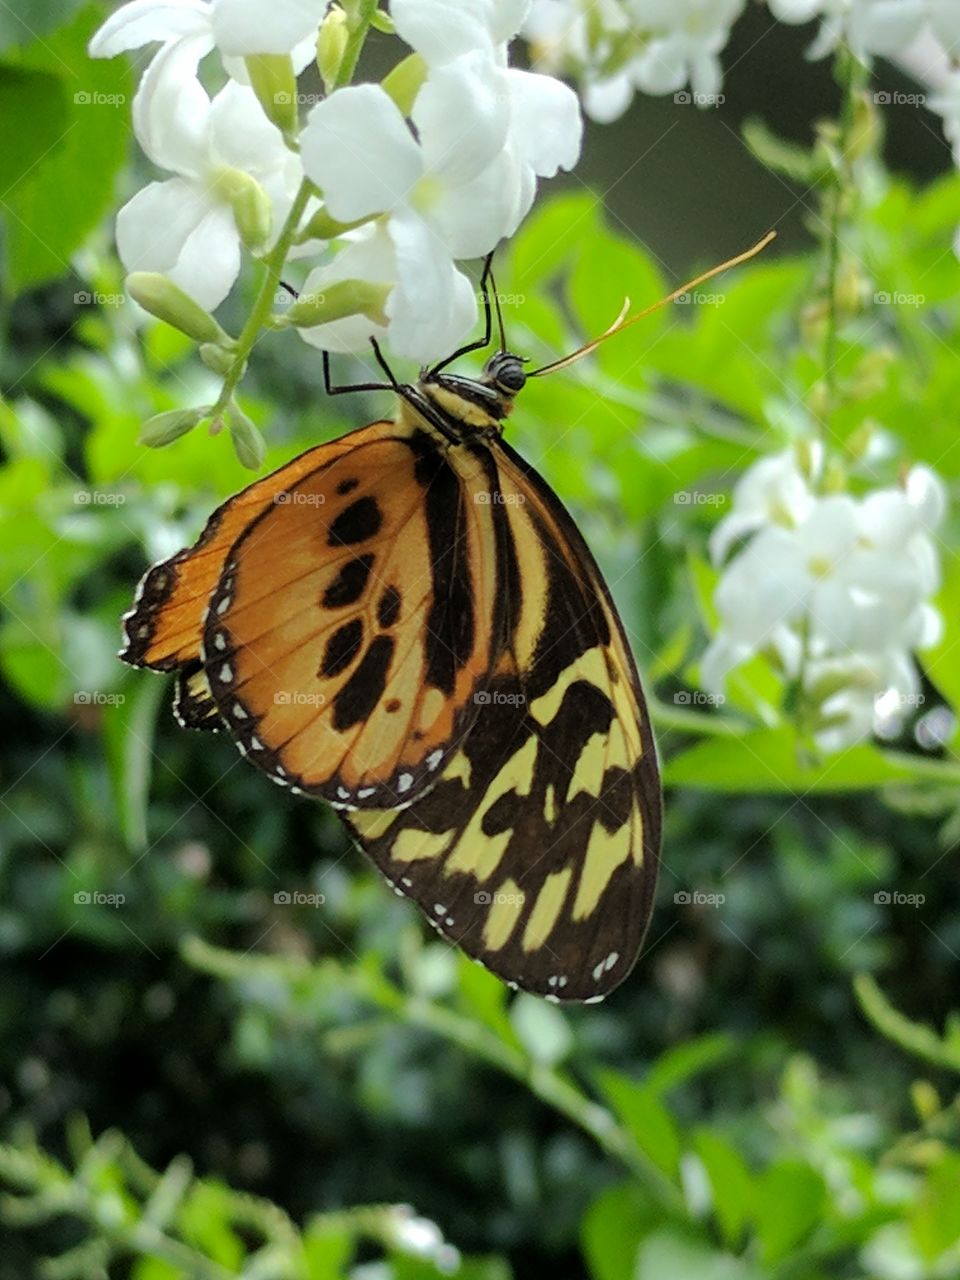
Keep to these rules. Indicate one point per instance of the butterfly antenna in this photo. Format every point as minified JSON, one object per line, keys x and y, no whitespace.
{"x":492,"y":289}
{"x":622,"y":322}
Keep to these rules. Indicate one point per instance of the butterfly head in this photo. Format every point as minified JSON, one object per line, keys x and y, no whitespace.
{"x":504,"y":373}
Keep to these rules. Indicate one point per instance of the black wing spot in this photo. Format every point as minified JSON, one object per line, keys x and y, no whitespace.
{"x":342,"y":647}
{"x":388,"y":608}
{"x":356,"y":523}
{"x":393,"y":705}
{"x":347,"y":486}
{"x":348,"y":586}
{"x":358,"y":697}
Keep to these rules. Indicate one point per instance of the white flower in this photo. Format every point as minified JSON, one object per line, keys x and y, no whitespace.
{"x":441,"y":31}
{"x":882,"y":27}
{"x":431,"y":304}
{"x":236,"y":27}
{"x":484,"y":136}
{"x":184,"y":227}
{"x":837,"y":587}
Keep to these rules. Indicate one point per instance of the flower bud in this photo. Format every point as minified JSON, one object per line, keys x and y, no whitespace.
{"x":404,"y":82}
{"x":344,"y":298}
{"x":219,"y":359}
{"x":164,"y":428}
{"x":926,"y":1100}
{"x":252,"y":210}
{"x":322,"y":227}
{"x":248,"y":443}
{"x":273,"y":80}
{"x":167,"y":301}
{"x":332,"y":45}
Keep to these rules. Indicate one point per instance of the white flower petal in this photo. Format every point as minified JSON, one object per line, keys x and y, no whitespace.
{"x":250,"y":26}
{"x":358,"y":150}
{"x":462,"y":114}
{"x":441,"y":31}
{"x":472,"y":219}
{"x":145,"y":21}
{"x":369,"y":255}
{"x":153,"y":227}
{"x":240,"y":133}
{"x":547,"y":127}
{"x":210,"y":260}
{"x":607,"y":99}
{"x":171,"y":108}
{"x":927,"y":496}
{"x":433,"y":306}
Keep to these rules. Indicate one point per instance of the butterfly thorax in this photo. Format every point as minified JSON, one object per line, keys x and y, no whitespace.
{"x":452,"y":403}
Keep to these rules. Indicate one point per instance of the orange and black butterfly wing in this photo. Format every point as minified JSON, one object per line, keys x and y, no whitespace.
{"x":355,"y":617}
{"x":537,"y":849}
{"x":163,"y":629}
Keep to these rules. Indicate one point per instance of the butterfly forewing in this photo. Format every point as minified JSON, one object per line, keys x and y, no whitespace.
{"x":355,"y":619}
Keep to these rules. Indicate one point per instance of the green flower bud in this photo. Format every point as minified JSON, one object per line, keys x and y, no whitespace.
{"x":322,"y":227}
{"x":273,"y":80}
{"x":219,"y":359}
{"x":248,"y":443}
{"x":345,"y":298}
{"x":252,"y":210}
{"x":167,"y":301}
{"x":164,"y":428}
{"x":404,"y":82}
{"x":332,"y":45}
{"x":926,"y":1100}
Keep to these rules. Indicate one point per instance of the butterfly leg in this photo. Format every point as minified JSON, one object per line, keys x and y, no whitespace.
{"x":488,"y":318}
{"x":332,"y":390}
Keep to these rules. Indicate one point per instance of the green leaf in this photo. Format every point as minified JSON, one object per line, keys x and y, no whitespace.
{"x":542,"y":1028}
{"x":767,"y":762}
{"x":128,"y":742}
{"x":731,"y":1184}
{"x":689,"y":1059}
{"x":612,"y":1228}
{"x":668,"y":1254}
{"x":935,"y":1223}
{"x":485,"y":998}
{"x":66,"y":192}
{"x":34,"y":113}
{"x":790,"y":1198}
{"x":915,"y":1037}
{"x":650,"y":1124}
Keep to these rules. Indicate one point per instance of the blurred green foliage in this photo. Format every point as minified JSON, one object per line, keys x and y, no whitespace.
{"x":769,"y":1096}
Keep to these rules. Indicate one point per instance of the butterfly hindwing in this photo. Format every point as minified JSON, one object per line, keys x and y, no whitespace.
{"x":536,"y":851}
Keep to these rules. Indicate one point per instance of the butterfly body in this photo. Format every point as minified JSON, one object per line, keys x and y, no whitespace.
{"x":407,"y":623}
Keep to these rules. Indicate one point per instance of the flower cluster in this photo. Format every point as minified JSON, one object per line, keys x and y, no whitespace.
{"x":405,"y":179}
{"x":617,"y":47}
{"x":834,"y":589}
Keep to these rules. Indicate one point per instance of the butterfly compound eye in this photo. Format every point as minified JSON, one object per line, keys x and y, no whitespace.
{"x":506,"y":372}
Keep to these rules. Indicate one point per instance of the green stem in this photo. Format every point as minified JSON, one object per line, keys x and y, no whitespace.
{"x":474,"y":1039}
{"x":257,"y":321}
{"x":716,"y":726}
{"x":263,"y":304}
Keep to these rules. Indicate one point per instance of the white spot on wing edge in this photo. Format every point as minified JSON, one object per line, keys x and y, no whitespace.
{"x":405,"y":782}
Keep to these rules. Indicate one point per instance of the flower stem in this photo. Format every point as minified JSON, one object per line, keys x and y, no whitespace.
{"x":361,"y":16}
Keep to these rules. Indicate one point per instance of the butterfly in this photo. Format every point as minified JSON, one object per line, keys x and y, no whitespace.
{"x":407,"y":623}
